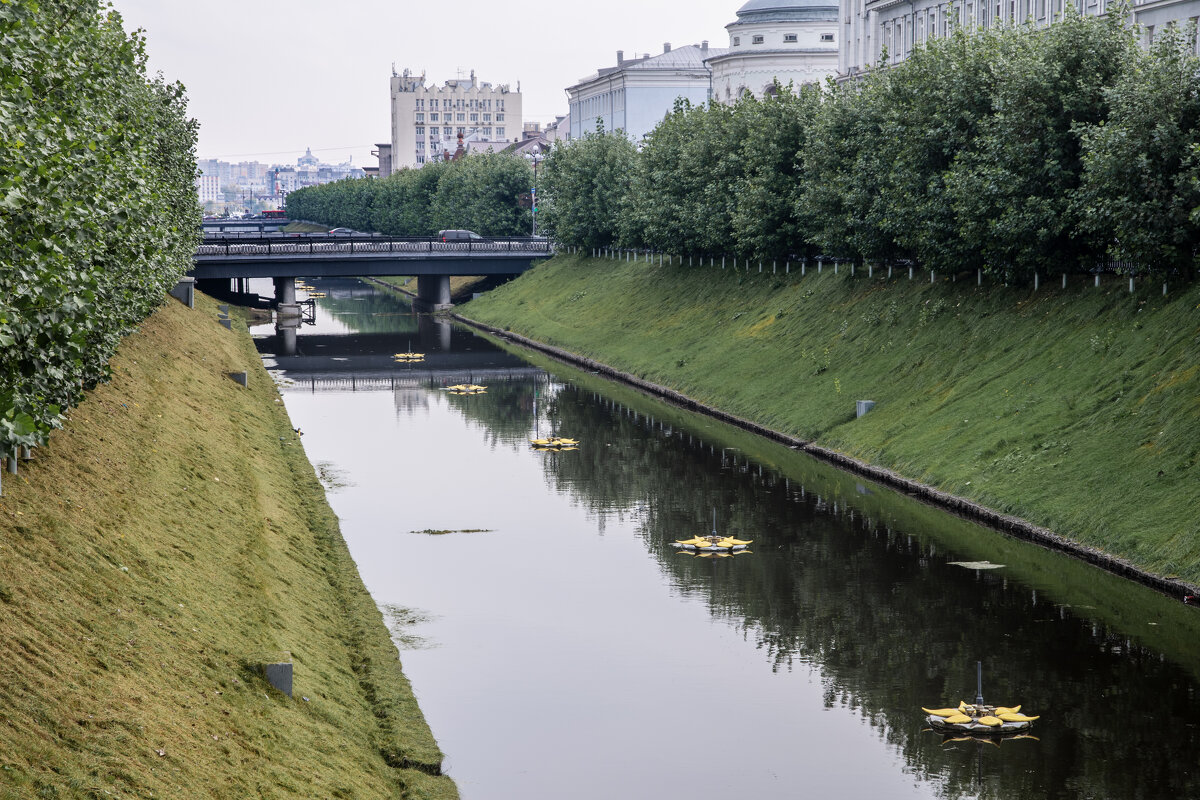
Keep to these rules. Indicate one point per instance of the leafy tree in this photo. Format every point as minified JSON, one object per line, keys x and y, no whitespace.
{"x":584,"y":186}
{"x":481,"y":192}
{"x":98,"y":212}
{"x":1141,"y":187}
{"x":1013,"y":188}
{"x":765,"y":223}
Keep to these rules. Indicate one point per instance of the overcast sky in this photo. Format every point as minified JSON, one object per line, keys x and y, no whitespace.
{"x":268,"y":78}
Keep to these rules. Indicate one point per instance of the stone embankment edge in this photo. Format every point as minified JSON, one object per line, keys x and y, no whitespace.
{"x":961,"y":506}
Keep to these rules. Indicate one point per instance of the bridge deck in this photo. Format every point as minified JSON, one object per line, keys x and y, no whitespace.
{"x":275,"y":257}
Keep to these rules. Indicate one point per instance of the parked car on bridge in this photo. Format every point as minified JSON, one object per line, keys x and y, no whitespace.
{"x":341,"y":232}
{"x":459,"y":235}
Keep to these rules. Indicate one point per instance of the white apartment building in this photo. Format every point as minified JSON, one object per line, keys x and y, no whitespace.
{"x":208,"y":186}
{"x":637,"y":93}
{"x":789,"y":41}
{"x":869,"y":26}
{"x":426,"y":120}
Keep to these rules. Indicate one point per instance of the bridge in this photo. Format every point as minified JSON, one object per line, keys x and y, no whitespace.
{"x":256,"y":224}
{"x":285,"y":257}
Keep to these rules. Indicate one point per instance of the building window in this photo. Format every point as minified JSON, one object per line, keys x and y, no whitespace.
{"x":462,"y":117}
{"x":487,"y":117}
{"x":487,"y":132}
{"x":433,"y":117}
{"x":499,"y":118}
{"x":474,"y":118}
{"x":756,"y":40}
{"x":826,"y":37}
{"x":420,"y":159}
{"x":420,"y":117}
{"x":448,"y":131}
{"x":789,"y":38}
{"x":737,"y":41}
{"x":420,"y":131}
{"x":499,"y":133}
{"x":499,"y":105}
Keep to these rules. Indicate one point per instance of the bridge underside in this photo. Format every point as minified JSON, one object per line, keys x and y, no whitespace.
{"x":299,"y":266}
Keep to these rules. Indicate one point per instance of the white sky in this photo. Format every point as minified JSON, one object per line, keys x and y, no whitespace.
{"x":268,"y":78}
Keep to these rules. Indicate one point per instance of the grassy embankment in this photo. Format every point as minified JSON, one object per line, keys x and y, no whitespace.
{"x":1075,"y":409}
{"x":169,"y":540}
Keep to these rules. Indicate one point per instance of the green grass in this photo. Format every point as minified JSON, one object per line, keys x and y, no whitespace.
{"x":1076,"y":409}
{"x":168,"y":541}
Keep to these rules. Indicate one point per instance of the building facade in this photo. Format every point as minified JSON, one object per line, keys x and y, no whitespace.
{"x":872,"y":27}
{"x":427,"y":120}
{"x":637,"y":93}
{"x":789,"y":41}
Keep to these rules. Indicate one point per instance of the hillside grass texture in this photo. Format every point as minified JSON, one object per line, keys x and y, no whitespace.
{"x":1077,"y":409}
{"x":167,"y":542}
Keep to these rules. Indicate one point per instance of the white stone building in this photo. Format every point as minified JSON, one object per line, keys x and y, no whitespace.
{"x":870,"y":26}
{"x":637,"y":93}
{"x":426,"y":120}
{"x":789,"y":41}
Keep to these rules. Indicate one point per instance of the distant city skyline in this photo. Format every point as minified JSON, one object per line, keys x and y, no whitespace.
{"x":270,"y":78}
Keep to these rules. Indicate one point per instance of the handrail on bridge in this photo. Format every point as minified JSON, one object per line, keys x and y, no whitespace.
{"x":273,"y":245}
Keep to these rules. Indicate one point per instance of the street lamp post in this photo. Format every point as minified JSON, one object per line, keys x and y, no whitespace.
{"x":535,"y":157}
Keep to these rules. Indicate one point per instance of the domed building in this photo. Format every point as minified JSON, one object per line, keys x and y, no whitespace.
{"x":776,"y":40}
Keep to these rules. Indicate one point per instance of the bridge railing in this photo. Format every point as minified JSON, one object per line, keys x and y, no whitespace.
{"x":275,"y":246}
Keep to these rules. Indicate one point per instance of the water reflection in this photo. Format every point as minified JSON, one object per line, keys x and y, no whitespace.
{"x":850,"y":588}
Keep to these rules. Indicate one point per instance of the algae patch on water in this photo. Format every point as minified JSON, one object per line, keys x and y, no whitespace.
{"x":440,"y":532}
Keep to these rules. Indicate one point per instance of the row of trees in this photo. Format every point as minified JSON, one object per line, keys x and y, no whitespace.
{"x":478,"y":192}
{"x":98,"y":210}
{"x":1013,"y":150}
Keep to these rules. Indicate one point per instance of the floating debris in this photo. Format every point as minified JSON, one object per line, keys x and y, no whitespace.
{"x":975,"y":564}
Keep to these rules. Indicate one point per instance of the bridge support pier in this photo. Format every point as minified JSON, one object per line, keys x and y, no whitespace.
{"x":285,"y":298}
{"x":285,"y":335}
{"x":433,"y":292}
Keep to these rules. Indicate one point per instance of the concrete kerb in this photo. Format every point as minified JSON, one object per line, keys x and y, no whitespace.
{"x":967,"y":509}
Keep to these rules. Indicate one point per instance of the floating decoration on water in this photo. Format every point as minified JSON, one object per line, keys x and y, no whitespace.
{"x":975,"y":564}
{"x":713,"y":543}
{"x":408,"y":358}
{"x":979,"y":718}
{"x":466,"y":388}
{"x":554,"y":443}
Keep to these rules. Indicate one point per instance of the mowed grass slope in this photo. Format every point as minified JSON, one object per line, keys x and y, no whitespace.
{"x":1076,"y":409}
{"x":167,"y":542}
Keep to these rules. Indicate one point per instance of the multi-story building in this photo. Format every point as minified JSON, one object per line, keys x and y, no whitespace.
{"x":427,"y":120}
{"x":869,"y":27}
{"x":637,"y":93}
{"x":208,"y":186}
{"x":784,"y":41}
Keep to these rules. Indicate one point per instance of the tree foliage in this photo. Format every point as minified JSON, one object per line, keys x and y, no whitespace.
{"x":98,"y":211}
{"x":583,"y":186}
{"x":480,"y":192}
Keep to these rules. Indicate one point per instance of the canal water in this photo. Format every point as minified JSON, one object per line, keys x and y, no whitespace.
{"x":560,"y":647}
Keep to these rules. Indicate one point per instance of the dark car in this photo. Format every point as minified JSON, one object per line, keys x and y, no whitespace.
{"x":458,"y":235}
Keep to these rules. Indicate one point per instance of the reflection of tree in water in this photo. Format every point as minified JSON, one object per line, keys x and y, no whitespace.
{"x":883,"y":617}
{"x":505,"y":409}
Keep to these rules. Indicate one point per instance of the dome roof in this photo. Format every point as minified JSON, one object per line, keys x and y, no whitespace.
{"x":782,"y":10}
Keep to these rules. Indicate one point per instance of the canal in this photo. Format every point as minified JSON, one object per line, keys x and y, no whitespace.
{"x":561,"y":647}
